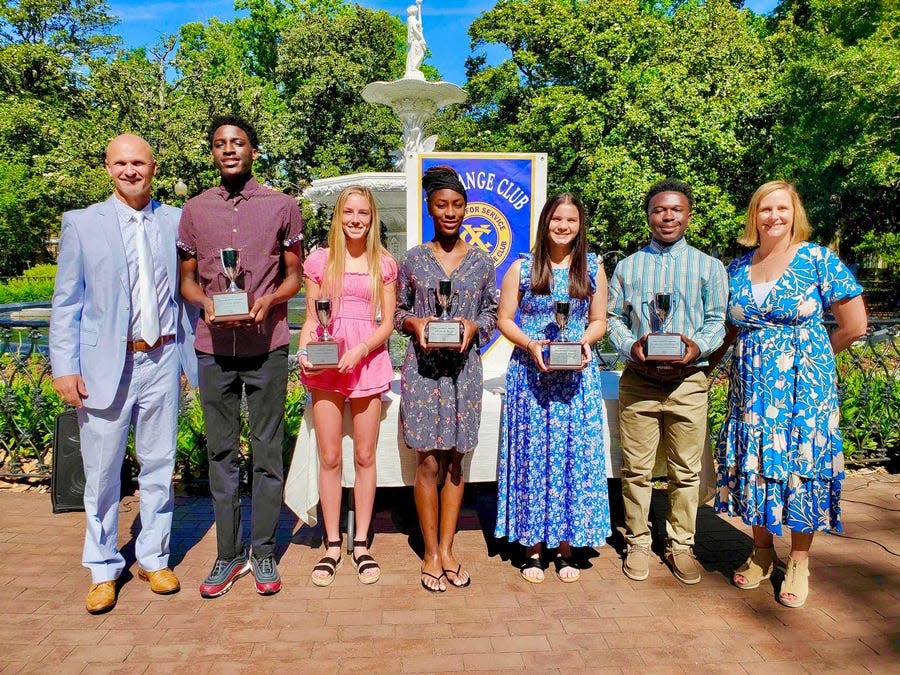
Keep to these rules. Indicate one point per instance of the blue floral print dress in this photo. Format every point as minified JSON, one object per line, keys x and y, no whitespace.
{"x":780,"y":451}
{"x":551,"y":474}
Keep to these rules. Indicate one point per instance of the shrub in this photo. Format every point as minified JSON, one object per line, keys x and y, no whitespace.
{"x":29,"y":405}
{"x":192,"y":459}
{"x":718,"y":407}
{"x":35,"y":285}
{"x":28,"y":408}
{"x":870,"y":408}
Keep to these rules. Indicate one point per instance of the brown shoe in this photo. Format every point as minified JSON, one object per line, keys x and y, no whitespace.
{"x":684,"y":565}
{"x":101,"y":598}
{"x":636,"y":565}
{"x":161,"y":581}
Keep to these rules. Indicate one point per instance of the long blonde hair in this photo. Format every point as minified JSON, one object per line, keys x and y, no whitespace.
{"x":800,"y":227}
{"x":333,"y":278}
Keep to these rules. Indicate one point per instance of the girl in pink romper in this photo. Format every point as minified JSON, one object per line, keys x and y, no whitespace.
{"x":357,"y":274}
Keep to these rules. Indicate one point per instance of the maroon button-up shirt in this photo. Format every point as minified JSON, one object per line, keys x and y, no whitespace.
{"x":260,"y":222}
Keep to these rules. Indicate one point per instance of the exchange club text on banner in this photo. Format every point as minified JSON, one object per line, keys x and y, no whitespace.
{"x":506,"y":192}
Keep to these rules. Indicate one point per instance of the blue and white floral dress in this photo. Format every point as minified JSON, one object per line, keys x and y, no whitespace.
{"x":780,"y":451}
{"x":551,"y":474}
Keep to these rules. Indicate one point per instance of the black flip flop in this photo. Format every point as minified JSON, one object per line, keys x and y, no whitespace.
{"x":455,"y":574}
{"x":429,"y":588}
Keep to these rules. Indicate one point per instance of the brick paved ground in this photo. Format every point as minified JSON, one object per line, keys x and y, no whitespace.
{"x":603,"y":623}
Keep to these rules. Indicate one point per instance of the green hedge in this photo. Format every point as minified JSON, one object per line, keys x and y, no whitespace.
{"x":35,"y":285}
{"x":29,"y":405}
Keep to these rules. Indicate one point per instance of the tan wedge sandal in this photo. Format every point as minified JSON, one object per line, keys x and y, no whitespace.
{"x":758,"y":567}
{"x":796,"y":583}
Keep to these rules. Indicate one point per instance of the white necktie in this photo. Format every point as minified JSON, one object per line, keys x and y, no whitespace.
{"x":146,"y":284}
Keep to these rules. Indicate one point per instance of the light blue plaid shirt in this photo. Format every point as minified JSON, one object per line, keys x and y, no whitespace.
{"x":699,"y":287}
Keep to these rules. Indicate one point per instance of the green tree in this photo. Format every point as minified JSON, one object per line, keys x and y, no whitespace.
{"x":68,"y":91}
{"x":326,"y":57}
{"x":619,"y":95}
{"x":41,"y":41}
{"x":837,"y":132}
{"x":46,"y":47}
{"x":295,"y":69}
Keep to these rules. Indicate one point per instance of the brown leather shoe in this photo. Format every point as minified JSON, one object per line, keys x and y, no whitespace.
{"x":161,"y":581}
{"x":101,"y":598}
{"x":684,"y":565}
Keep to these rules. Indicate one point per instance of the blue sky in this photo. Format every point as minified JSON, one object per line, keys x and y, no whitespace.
{"x":446,"y":23}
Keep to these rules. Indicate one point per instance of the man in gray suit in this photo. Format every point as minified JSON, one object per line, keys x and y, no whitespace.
{"x":120,"y":337}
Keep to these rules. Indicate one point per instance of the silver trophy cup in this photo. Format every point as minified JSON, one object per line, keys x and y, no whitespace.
{"x":443,"y":331}
{"x":234,"y":303}
{"x":662,"y":345}
{"x":563,"y":355}
{"x":324,"y":353}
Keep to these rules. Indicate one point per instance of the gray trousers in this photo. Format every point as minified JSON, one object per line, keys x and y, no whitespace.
{"x":264,"y":380}
{"x":147,"y":399}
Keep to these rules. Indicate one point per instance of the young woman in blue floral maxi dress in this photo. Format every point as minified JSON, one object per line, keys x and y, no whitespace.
{"x":780,"y":451}
{"x":551,"y":474}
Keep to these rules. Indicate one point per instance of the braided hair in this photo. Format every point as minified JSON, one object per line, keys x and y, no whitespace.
{"x":442,"y":178}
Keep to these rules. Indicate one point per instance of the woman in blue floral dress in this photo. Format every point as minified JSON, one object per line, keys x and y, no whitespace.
{"x":551,"y":475}
{"x":780,"y":451}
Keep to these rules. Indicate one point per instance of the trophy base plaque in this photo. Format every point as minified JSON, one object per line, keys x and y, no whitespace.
{"x":234,"y":306}
{"x":663,"y":347}
{"x":444,"y":333}
{"x":323,"y":354}
{"x":564,"y":356}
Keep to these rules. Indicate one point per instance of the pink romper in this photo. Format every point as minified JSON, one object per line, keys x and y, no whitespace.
{"x":352,"y":322}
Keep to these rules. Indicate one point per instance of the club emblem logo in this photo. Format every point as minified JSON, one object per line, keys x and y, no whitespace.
{"x":486,"y":227}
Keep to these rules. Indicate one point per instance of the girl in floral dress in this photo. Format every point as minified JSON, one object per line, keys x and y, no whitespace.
{"x":551,"y":476}
{"x":441,"y":388}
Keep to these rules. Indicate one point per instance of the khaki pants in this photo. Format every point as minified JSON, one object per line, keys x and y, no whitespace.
{"x":674,"y":413}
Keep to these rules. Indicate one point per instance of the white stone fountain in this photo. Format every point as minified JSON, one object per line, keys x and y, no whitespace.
{"x":414,"y":100}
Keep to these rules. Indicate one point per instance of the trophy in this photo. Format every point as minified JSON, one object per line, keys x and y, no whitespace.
{"x":323,"y":353}
{"x":661,"y":345}
{"x":233,"y":304}
{"x":563,"y":355}
{"x":444,"y":331}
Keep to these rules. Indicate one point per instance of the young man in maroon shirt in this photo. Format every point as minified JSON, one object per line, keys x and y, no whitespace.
{"x":242,"y":357}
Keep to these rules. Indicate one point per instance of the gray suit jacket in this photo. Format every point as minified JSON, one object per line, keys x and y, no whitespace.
{"x":91,"y":314}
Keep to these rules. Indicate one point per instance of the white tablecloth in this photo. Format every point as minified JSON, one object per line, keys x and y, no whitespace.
{"x":396,"y":463}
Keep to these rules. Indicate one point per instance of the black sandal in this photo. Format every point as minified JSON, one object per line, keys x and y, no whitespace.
{"x":364,"y":563}
{"x":532,"y":563}
{"x":455,"y":578}
{"x":327,"y":564}
{"x":560,"y":563}
{"x":436,"y":589}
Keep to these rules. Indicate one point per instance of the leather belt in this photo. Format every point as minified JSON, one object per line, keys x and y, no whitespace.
{"x":662,"y":375}
{"x":142,"y":346}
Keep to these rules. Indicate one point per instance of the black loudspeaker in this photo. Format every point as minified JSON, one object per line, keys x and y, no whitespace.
{"x":67,"y":470}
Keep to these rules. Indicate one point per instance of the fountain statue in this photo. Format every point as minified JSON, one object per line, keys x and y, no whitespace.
{"x":415,"y":42}
{"x":414,"y":100}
